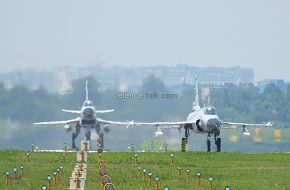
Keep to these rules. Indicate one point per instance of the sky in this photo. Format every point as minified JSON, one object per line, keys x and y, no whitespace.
{"x":225,"y":33}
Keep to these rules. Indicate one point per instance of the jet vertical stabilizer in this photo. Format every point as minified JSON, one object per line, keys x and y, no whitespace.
{"x":195,"y":104}
{"x":87,"y":91}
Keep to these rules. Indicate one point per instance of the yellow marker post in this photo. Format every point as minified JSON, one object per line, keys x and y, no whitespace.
{"x":171,"y":156}
{"x":179,"y":172}
{"x":86,"y":146}
{"x":187,"y":172}
{"x":54,"y":177}
{"x":144,"y":175}
{"x":81,"y":167}
{"x":210,"y":179}
{"x":49,"y":178}
{"x":150,"y":178}
{"x":61,"y":170}
{"x":198,"y":174}
{"x":27,"y":157}
{"x":136,"y":158}
{"x":14,"y":173}
{"x":100,"y":156}
{"x":65,"y":148}
{"x":63,"y":157}
{"x":21,"y":171}
{"x":277,"y":135}
{"x":77,"y":182}
{"x":157,"y":183}
{"x":139,"y":171}
{"x":82,"y":156}
{"x":7,"y":173}
{"x":58,"y":173}
{"x":32,"y":147}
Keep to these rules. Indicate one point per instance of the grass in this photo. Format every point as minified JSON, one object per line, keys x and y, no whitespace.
{"x":239,"y":170}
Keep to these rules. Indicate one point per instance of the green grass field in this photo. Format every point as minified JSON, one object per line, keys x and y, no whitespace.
{"x":240,"y":171}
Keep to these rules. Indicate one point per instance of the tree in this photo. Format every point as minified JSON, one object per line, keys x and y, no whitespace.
{"x":153,"y":84}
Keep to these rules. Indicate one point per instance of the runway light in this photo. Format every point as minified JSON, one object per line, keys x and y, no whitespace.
{"x":14,"y":169}
{"x":198,"y":174}
{"x":43,"y":187}
{"x":48,"y":178}
{"x":7,"y":173}
{"x":157,"y":178}
{"x":166,"y":188}
{"x":210,"y":179}
{"x":227,"y":188}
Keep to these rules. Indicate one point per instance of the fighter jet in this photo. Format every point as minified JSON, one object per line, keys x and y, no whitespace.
{"x":202,"y":121}
{"x":87,"y":120}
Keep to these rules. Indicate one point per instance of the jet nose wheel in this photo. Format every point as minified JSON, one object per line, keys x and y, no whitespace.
{"x":218,"y":144}
{"x":208,"y":144}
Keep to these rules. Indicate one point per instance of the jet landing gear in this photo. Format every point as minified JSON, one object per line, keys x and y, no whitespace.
{"x":218,"y":143}
{"x":88,"y":135}
{"x":74,"y":136}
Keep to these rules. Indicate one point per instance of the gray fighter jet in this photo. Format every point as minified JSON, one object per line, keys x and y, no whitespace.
{"x":87,"y":120}
{"x":202,"y":121}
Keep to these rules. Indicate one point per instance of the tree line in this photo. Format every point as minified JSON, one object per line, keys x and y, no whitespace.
{"x":232,"y":102}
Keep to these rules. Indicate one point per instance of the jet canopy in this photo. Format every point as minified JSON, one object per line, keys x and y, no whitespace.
{"x":88,"y":103}
{"x":210,"y":111}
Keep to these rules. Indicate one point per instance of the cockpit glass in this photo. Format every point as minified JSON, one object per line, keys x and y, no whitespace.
{"x":88,"y":103}
{"x":211,"y":111}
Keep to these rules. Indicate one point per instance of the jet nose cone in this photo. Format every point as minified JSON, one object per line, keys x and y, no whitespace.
{"x":88,"y":112}
{"x":213,"y":123}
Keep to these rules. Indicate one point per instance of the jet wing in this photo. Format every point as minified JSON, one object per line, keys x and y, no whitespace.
{"x":72,"y":121}
{"x":179,"y":123}
{"x":71,"y":111}
{"x":244,"y":125}
{"x":102,"y":121}
{"x":104,"y":111}
{"x":269,"y":124}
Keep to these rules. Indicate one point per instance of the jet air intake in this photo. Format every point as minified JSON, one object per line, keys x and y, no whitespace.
{"x":107,"y":128}
{"x":199,"y":125}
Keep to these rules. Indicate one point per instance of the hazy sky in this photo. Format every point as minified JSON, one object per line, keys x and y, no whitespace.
{"x":49,"y":33}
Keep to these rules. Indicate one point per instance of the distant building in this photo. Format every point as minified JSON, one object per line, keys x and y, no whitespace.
{"x":129,"y":78}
